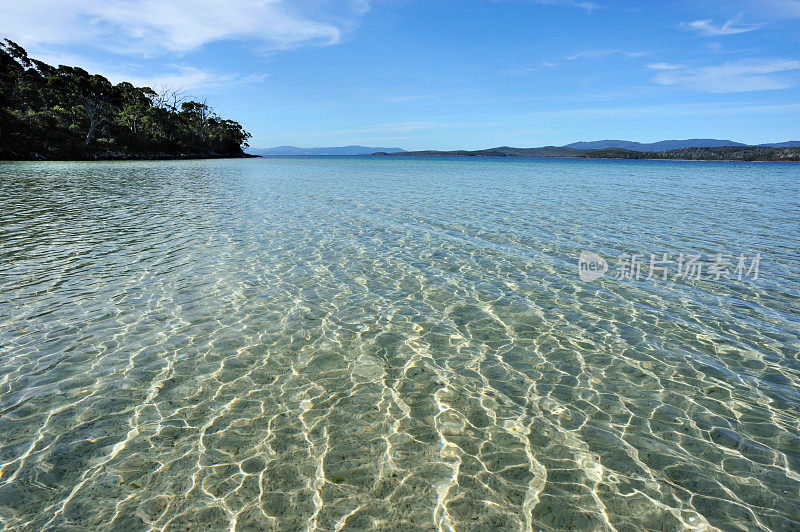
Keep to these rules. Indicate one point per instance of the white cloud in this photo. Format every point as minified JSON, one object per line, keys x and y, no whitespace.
{"x":154,"y":26}
{"x":586,"y":5}
{"x":582,"y":4}
{"x":664,"y":66}
{"x":729,"y":27}
{"x":599,"y":54}
{"x":189,"y":78}
{"x":528,"y":69}
{"x":175,"y":76}
{"x":406,"y":127}
{"x":734,"y":76}
{"x":721,"y":109}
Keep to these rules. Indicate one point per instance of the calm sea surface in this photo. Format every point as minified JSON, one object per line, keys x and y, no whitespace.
{"x":399,"y":343}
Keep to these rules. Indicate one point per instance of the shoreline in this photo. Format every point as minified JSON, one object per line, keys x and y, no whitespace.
{"x":194,"y":156}
{"x":719,"y":153}
{"x":136,"y":157}
{"x":444,"y":156}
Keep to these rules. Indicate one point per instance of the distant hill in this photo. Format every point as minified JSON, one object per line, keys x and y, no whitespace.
{"x":343,"y":150}
{"x":655,"y":146}
{"x":502,"y":151}
{"x":789,"y":144}
{"x":719,"y":153}
{"x":601,"y":149}
{"x":715,"y":153}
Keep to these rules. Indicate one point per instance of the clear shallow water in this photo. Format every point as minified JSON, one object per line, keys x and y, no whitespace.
{"x":395,"y":343}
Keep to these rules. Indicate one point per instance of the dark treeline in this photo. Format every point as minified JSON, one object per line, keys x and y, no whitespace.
{"x":64,"y":112}
{"x":720,"y":153}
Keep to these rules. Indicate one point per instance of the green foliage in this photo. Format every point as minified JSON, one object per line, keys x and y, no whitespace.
{"x":66,"y":113}
{"x":721,"y":153}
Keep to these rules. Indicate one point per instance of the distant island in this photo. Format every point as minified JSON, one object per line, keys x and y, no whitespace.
{"x":338,"y":150}
{"x":739,"y":152}
{"x":665,"y":145}
{"x":688,"y":149}
{"x":64,"y":112}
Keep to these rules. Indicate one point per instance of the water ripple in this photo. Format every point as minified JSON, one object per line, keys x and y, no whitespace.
{"x":358,"y":343}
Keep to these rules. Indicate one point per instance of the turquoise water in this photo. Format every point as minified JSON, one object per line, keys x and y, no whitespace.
{"x":405,"y":343}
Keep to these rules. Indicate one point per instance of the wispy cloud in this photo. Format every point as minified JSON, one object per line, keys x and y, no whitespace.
{"x":190,"y":78}
{"x":406,"y":127}
{"x":734,"y":76}
{"x":664,"y":66}
{"x":583,"y":4}
{"x":528,"y":69}
{"x":174,"y":75}
{"x":599,"y":54}
{"x":155,"y":26}
{"x":729,"y":27}
{"x":721,"y":109}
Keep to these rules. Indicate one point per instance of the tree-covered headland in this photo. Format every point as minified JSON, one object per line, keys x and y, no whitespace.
{"x":64,"y":112}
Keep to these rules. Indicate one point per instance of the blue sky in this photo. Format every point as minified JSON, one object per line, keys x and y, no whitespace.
{"x":446,"y":73}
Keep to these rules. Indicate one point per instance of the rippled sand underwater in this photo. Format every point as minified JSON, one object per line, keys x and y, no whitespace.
{"x":373,"y":343}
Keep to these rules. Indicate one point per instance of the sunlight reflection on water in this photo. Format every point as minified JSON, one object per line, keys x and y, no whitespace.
{"x":373,"y":342}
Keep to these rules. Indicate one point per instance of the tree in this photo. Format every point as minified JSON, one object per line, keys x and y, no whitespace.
{"x":66,"y":112}
{"x":134,"y":104}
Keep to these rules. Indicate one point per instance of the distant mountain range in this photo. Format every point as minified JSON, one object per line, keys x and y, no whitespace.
{"x":570,"y":150}
{"x":665,"y":145}
{"x":342,"y":150}
{"x":696,"y":153}
{"x":502,"y":151}
{"x":789,"y":144}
